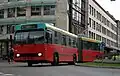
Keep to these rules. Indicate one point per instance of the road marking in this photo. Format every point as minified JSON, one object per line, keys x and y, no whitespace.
{"x":1,"y":73}
{"x":8,"y":74}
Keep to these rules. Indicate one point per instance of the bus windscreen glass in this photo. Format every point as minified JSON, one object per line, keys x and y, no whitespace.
{"x":29,"y":37}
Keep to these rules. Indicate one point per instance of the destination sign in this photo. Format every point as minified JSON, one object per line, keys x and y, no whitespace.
{"x":31,"y":26}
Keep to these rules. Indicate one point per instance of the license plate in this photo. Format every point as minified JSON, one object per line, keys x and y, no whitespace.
{"x":27,"y":58}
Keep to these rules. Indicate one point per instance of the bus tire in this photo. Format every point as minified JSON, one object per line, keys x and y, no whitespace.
{"x":74,"y":60}
{"x":29,"y":64}
{"x":55,"y":59}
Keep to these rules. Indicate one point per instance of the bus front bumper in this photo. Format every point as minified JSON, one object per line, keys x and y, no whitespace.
{"x":26,"y":59}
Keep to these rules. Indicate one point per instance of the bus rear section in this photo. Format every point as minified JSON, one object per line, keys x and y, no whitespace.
{"x":90,"y":49}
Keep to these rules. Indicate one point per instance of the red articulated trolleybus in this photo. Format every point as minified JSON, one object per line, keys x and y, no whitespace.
{"x":44,"y":43}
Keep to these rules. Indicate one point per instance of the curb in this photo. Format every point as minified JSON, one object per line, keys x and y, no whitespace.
{"x":110,"y":67}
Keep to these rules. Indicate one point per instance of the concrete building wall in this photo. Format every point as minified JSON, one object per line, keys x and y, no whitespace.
{"x":62,"y":14}
{"x":6,"y":22}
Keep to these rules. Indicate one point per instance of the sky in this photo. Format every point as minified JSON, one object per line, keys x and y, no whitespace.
{"x":112,"y":6}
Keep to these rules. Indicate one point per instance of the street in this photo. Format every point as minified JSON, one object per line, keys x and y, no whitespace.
{"x":21,"y":69}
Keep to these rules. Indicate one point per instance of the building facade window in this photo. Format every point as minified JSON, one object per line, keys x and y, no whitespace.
{"x":11,"y":12}
{"x":98,"y":37}
{"x":1,"y":29}
{"x":108,"y":23}
{"x":112,"y":43}
{"x":108,"y":41}
{"x":104,"y":30}
{"x":21,"y":11}
{"x":98,"y":16}
{"x":2,"y":13}
{"x":104,"y":20}
{"x":75,"y":15}
{"x":8,"y":29}
{"x":108,"y":33}
{"x":115,"y":28}
{"x":49,"y":10}
{"x":90,"y":9}
{"x":35,"y":10}
{"x":98,"y":27}
{"x":93,"y":24}
{"x":112,"y":26}
{"x":90,"y":34}
{"x":103,"y":39}
{"x":90,"y":22}
{"x":93,"y":35}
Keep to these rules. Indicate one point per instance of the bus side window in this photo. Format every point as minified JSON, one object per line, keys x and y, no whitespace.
{"x":63,"y":39}
{"x":74,"y":42}
{"x":85,"y":45}
{"x":89,"y":45}
{"x":69,"y":41}
{"x":93,"y":46}
{"x":56,"y":38}
{"x":59,"y":38}
{"x":49,"y":37}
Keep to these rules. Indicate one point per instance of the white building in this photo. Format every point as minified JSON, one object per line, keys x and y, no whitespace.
{"x":102,"y":25}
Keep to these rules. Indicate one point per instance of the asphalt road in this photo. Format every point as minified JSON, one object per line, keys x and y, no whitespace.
{"x":21,"y":69}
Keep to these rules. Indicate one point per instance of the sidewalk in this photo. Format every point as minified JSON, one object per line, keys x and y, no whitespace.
{"x":101,"y":64}
{"x":3,"y":60}
{"x":112,"y":67}
{"x":107,"y":61}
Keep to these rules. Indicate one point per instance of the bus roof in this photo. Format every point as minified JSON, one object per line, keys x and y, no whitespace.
{"x":50,"y":26}
{"x":90,"y":40}
{"x":60,"y":30}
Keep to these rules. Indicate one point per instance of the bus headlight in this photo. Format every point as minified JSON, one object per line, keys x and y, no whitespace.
{"x":39,"y":54}
{"x":18,"y":55}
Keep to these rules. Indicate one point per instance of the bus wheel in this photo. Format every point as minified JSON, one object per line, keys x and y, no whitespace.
{"x":29,"y":64}
{"x":55,"y":59}
{"x":74,"y":60}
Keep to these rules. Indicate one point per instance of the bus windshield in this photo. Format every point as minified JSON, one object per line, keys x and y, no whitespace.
{"x":29,"y":37}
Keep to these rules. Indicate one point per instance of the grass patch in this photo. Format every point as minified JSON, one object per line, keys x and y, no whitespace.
{"x":101,"y":64}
